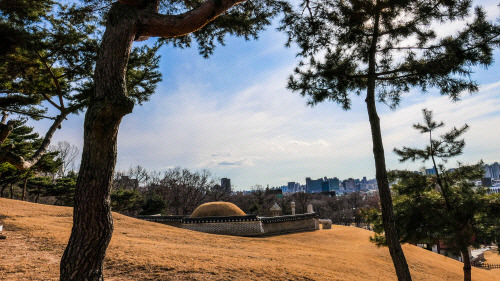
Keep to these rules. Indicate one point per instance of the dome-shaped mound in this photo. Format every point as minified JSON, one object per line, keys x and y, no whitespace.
{"x":217,"y":209}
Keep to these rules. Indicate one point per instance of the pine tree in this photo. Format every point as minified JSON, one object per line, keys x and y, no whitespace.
{"x":47,"y":66}
{"x":384,"y":48}
{"x":126,"y":21}
{"x":62,"y":188}
{"x":23,"y":141}
{"x":446,"y":206}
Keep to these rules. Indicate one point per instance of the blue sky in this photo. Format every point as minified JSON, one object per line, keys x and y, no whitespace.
{"x":233,"y":115}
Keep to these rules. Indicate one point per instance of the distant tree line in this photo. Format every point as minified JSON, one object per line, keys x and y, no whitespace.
{"x":176,"y":191}
{"x":179,"y":191}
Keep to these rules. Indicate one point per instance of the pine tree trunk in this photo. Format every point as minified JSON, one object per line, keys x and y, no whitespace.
{"x":391,"y":235}
{"x":92,"y":220}
{"x":467,"y":265}
{"x":390,"y":230}
{"x":38,"y":191}
{"x":11,"y":191}
{"x":24,"y":186}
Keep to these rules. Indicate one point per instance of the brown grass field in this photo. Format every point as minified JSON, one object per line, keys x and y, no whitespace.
{"x":492,"y":256}
{"x":140,"y":250}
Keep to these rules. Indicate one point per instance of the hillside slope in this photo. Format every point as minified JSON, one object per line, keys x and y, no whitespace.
{"x":140,"y":250}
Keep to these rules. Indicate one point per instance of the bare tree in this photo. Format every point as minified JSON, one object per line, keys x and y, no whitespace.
{"x":68,"y":154}
{"x":301,"y":200}
{"x":135,"y":178}
{"x":219,"y":193}
{"x":184,"y":190}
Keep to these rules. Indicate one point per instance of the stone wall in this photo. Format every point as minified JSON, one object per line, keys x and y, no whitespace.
{"x":249,"y":225}
{"x":250,"y":228}
{"x":168,"y":220}
{"x":289,"y":224}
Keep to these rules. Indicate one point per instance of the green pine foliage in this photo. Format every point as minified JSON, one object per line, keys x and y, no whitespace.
{"x":47,"y":64}
{"x":337,"y":38}
{"x":126,"y":201}
{"x":245,"y":20}
{"x":60,"y":191}
{"x":24,"y":142}
{"x":154,"y":204}
{"x":55,"y":57}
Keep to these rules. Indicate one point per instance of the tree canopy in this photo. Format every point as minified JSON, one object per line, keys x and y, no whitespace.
{"x":46,"y":70}
{"x":338,"y":39}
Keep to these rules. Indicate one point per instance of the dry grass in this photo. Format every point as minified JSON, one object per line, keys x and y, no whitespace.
{"x":217,"y":209}
{"x":140,"y":250}
{"x":492,"y":256}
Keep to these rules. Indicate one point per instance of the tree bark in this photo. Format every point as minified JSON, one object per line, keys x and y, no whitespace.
{"x":92,"y":220}
{"x":467,"y":265}
{"x":24,"y":185}
{"x":38,"y":191}
{"x":390,"y":230}
{"x":391,"y":235}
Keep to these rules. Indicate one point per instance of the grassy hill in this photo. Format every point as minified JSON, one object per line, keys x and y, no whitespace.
{"x":140,"y":250}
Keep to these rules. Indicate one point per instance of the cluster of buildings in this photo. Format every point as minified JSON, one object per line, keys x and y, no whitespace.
{"x":491,"y":179}
{"x":331,"y":184}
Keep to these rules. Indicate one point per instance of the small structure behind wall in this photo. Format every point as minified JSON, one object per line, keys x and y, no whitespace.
{"x":275,"y":210}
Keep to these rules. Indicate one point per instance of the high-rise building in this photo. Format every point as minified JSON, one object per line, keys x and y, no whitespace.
{"x":349,"y":184}
{"x":324,"y":186}
{"x":334,"y":184}
{"x":492,"y":171}
{"x":314,"y":186}
{"x":225,"y":183}
{"x":495,"y":170}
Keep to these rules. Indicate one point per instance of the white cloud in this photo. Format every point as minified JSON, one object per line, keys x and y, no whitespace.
{"x":264,"y":133}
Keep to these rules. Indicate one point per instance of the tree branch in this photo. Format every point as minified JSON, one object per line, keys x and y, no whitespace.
{"x":28,"y":113}
{"x":397,"y":70}
{"x":4,"y":117}
{"x":395,"y":77}
{"x":169,"y":26}
{"x":18,"y":161}
{"x":5,"y":130}
{"x":411,"y":48}
{"x":56,"y":83}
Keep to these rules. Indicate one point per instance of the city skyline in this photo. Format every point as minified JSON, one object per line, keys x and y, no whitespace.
{"x":491,"y":170}
{"x":233,"y":115}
